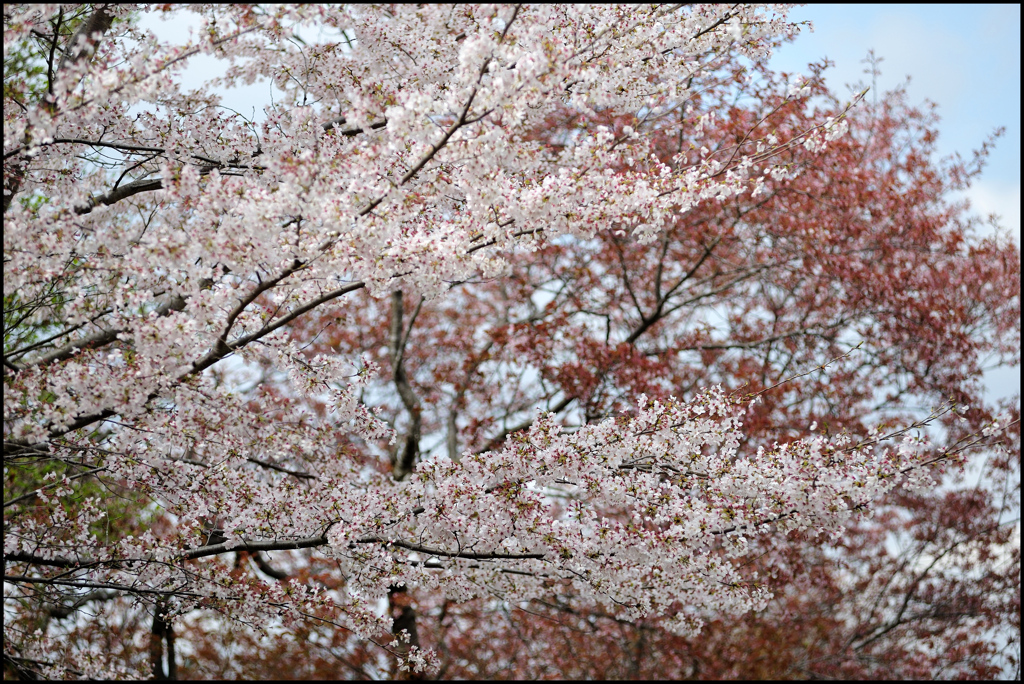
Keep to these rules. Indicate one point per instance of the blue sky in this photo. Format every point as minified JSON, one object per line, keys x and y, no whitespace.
{"x":965,"y":58}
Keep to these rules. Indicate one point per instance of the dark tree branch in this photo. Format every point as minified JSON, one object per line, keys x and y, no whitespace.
{"x":407,"y":450}
{"x":266,"y":568}
{"x":83,"y":43}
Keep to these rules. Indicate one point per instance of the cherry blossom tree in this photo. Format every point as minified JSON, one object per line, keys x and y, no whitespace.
{"x":436,"y":333}
{"x":926,"y":585}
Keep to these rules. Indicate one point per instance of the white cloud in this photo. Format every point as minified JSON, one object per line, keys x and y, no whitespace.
{"x":1000,"y":198}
